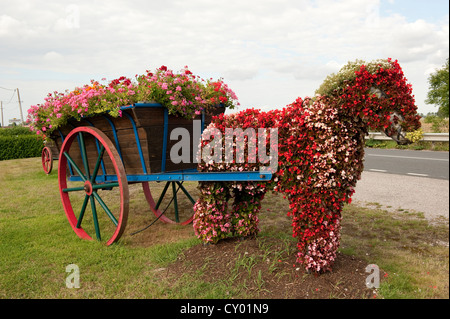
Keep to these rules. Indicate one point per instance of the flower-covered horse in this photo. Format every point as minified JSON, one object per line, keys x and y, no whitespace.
{"x":320,"y":158}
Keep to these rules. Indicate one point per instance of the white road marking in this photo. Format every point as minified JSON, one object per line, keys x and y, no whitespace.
{"x":411,"y":157}
{"x":385,"y":171}
{"x":416,"y":174}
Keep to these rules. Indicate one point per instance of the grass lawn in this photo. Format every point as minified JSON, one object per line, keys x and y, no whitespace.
{"x":37,"y":244}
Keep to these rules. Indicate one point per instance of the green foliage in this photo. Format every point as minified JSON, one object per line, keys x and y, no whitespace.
{"x":15,"y":130}
{"x":419,"y":145}
{"x":439,"y":90}
{"x":19,"y":146}
{"x":335,"y":82}
{"x":438,"y":123}
{"x":415,"y":136}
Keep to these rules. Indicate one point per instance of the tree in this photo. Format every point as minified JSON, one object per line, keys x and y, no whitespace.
{"x":438,"y":90}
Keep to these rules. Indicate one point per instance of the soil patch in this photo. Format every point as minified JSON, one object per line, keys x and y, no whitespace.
{"x":266,"y":268}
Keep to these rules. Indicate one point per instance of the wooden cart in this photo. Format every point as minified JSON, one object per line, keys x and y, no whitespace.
{"x":100,"y":156}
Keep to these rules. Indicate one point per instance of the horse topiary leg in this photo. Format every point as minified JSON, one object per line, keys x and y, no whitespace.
{"x":212,"y":221}
{"x":317,"y":228}
{"x":246,"y":206}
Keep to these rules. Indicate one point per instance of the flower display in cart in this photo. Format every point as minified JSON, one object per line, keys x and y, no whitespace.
{"x":183,"y":93}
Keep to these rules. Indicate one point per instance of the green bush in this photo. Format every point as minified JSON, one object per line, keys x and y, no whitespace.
{"x":19,"y":146}
{"x":16,"y":130}
{"x":419,"y":145}
{"x":438,"y":124}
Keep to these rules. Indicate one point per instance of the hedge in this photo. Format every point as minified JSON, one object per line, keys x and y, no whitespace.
{"x":16,"y":130}
{"x":20,"y":146}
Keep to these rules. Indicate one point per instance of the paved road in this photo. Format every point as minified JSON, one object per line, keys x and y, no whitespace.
{"x":416,"y":181}
{"x":405,"y":162}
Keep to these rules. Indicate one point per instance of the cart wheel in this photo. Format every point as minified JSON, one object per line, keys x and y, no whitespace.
{"x":181,"y":213}
{"x":47,"y":160}
{"x":86,"y":185}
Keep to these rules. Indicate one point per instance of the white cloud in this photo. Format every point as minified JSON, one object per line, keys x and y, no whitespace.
{"x":8,"y":25}
{"x":268,"y":51}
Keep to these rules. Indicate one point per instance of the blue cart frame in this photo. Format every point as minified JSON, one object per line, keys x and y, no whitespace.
{"x":96,"y":181}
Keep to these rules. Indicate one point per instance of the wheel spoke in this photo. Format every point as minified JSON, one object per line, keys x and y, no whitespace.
{"x":105,"y":185}
{"x":83,"y":209}
{"x":97,"y":165}
{"x":160,"y":213}
{"x":105,"y":208}
{"x":75,"y":166}
{"x":94,"y":214}
{"x":162,"y":195}
{"x":175,"y":202}
{"x":186,"y":192}
{"x":73,"y":189}
{"x":83,"y":155}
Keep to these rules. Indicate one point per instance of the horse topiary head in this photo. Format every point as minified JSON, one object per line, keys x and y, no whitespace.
{"x":376,"y":95}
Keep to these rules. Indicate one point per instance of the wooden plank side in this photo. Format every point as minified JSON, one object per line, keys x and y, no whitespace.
{"x":150,"y":128}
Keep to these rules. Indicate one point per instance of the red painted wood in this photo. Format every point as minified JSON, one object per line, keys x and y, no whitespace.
{"x":47,"y":160}
{"x":157,"y":212}
{"x":111,"y":151}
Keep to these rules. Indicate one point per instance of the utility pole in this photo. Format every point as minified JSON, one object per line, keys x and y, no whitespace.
{"x":20,"y":106}
{"x":1,"y":109}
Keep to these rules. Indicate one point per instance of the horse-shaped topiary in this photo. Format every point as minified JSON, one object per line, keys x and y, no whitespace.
{"x":320,"y":157}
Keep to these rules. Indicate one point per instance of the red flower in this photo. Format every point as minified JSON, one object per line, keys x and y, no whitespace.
{"x":320,"y":159}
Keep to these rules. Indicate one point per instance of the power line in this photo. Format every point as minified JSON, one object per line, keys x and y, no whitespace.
{"x":11,"y":97}
{"x":18,"y":99}
{"x":1,"y":87}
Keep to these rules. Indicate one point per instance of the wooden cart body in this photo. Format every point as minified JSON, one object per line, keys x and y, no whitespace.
{"x":134,"y":148}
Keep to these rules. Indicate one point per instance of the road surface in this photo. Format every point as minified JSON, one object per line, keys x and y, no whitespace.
{"x":405,"y":162}
{"x":415,"y":181}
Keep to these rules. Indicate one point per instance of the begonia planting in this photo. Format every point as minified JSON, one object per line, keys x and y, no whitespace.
{"x":320,"y":158}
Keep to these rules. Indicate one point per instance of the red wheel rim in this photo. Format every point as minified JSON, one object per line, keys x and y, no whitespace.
{"x":89,"y":187}
{"x":47,"y":159}
{"x":158,"y":212}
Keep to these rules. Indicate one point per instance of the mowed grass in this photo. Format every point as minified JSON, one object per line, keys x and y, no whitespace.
{"x":37,"y":244}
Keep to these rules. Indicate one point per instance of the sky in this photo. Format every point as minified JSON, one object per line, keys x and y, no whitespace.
{"x":269,"y":52}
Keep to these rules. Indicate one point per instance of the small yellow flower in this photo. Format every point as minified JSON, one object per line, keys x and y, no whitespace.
{"x":415,"y":136}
